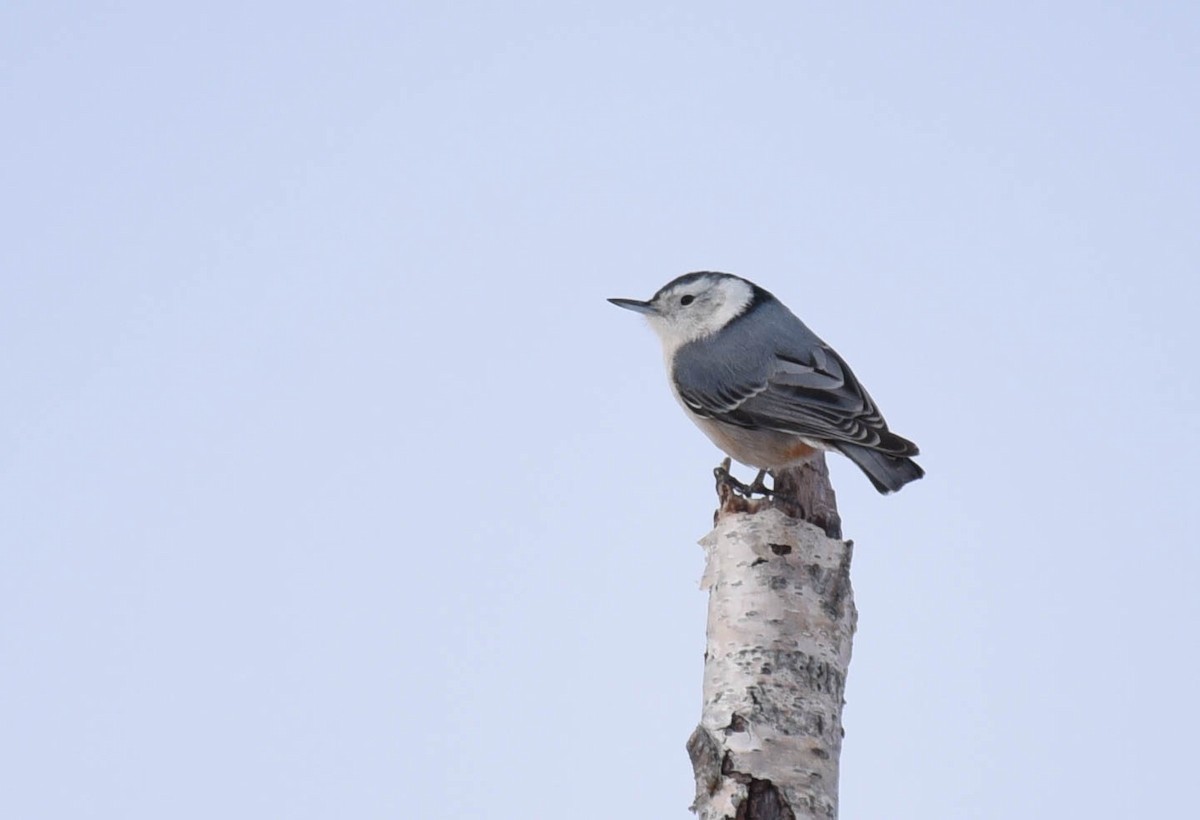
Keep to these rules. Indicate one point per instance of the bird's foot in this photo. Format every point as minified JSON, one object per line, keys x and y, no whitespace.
{"x":726,"y":480}
{"x":758,"y":486}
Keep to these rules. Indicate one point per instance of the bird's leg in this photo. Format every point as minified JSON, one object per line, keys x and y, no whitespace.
{"x":726,"y":479}
{"x":757,"y":485}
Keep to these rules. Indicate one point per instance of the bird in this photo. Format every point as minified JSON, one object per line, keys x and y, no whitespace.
{"x":763,"y":387}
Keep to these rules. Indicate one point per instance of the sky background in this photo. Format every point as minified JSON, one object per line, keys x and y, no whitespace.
{"x":330,"y":485}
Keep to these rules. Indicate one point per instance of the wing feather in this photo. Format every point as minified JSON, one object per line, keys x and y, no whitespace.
{"x":802,"y":387}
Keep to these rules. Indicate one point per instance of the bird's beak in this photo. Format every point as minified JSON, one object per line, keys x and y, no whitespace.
{"x":635,"y":305}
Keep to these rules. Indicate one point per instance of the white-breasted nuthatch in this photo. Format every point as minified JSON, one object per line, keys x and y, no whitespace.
{"x":763,"y":386}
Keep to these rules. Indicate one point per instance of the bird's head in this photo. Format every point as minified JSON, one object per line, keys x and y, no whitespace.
{"x":694,"y":306}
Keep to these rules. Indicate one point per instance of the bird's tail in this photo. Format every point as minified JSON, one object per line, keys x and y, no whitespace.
{"x":887,"y":473}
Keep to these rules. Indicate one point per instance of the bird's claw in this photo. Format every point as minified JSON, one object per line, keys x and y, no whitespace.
{"x":726,"y":479}
{"x":758,"y":486}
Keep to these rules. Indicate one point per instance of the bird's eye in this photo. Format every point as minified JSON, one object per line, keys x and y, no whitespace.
{"x":686,"y":300}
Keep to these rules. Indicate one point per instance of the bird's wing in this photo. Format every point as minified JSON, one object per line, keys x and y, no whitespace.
{"x":806,"y":389}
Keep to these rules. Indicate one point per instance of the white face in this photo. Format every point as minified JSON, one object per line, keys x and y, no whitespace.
{"x":694,"y":309}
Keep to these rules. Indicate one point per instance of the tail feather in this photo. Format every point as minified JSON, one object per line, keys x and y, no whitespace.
{"x":887,"y":473}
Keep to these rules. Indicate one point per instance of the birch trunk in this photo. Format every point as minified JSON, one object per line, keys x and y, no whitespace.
{"x":781,"y":619}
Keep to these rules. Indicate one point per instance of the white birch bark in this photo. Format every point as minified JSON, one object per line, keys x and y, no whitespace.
{"x":781,"y":618}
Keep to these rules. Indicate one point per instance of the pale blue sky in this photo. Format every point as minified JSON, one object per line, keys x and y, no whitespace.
{"x":330,"y":485}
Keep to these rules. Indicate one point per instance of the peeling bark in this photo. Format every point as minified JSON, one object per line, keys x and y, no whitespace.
{"x":781,"y":620}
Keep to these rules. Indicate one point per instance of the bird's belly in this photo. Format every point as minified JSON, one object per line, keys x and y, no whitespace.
{"x":764,"y":449}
